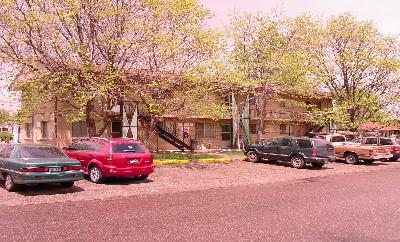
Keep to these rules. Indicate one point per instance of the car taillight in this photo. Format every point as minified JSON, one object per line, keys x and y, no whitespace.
{"x":314,"y":152}
{"x":395,"y":148}
{"x":371,"y":152}
{"x":72,"y":168}
{"x":34,"y":169}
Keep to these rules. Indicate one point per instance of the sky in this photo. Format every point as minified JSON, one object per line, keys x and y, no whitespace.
{"x":384,"y":13}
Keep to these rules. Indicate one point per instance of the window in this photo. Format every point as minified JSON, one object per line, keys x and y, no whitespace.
{"x":286,"y":142}
{"x":282,"y":128}
{"x":4,"y":129}
{"x":226,"y":132}
{"x":129,"y":148}
{"x":273,"y":141}
{"x":116,"y":127}
{"x":253,"y":128}
{"x":205,"y":130}
{"x":44,"y":129}
{"x":338,"y":139}
{"x":79,"y":129}
{"x":28,"y":130}
{"x":282,"y":104}
{"x":386,"y":141}
{"x":6,"y":151}
{"x":370,"y":141}
{"x":322,"y":142}
{"x":94,"y":145}
{"x":40,"y":152}
{"x":303,"y":143}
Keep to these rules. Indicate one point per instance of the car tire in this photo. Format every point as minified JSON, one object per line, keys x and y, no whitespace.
{"x":67,"y":184}
{"x":95,"y":175}
{"x":141,"y":177}
{"x":393,"y":159}
{"x":351,"y":158}
{"x":317,"y":165}
{"x":252,"y":156}
{"x":298,"y":162}
{"x":9,"y":184}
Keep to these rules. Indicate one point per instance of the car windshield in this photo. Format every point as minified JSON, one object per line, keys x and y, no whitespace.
{"x":129,"y":148}
{"x":40,"y":152}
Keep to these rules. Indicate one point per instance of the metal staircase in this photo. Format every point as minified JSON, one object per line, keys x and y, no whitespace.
{"x":168,"y":135}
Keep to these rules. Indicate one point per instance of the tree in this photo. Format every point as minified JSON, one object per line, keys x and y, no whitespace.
{"x":4,"y":116}
{"x":359,"y":66}
{"x":91,"y":54}
{"x":266,"y":56}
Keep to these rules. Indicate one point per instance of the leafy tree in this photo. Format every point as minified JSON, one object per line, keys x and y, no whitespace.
{"x":266,"y":56}
{"x":89,"y":55}
{"x":359,"y":66}
{"x":4,"y":116}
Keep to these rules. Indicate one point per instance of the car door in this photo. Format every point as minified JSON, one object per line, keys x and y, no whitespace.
{"x":285,"y":149}
{"x":270,"y":149}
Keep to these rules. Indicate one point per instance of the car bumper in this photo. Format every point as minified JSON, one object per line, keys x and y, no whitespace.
{"x":109,"y":171}
{"x":324,"y":160}
{"x":46,"y":177}
{"x":377,"y":157}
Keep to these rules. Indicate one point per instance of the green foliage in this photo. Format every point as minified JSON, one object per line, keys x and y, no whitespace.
{"x":4,"y":116}
{"x":6,"y":136}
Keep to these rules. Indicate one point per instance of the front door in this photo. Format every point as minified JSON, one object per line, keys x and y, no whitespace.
{"x":271,"y":149}
{"x":226,"y":135}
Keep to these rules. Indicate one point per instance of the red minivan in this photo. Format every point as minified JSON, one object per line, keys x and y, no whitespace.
{"x":113,"y":157}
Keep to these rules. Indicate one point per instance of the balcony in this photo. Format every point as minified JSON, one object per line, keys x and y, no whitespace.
{"x":301,"y":116}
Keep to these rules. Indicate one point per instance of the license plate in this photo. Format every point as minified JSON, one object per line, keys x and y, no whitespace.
{"x":133,"y":161}
{"x":54,"y":169}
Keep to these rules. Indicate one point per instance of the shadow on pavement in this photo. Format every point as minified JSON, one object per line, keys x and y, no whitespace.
{"x":121,"y":181}
{"x":288,"y":165}
{"x":47,"y":189}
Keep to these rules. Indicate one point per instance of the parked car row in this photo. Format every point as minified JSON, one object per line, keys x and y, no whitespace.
{"x":98,"y":158}
{"x":321,"y":149}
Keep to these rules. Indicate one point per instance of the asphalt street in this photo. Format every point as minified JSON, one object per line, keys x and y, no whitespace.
{"x":349,"y":207}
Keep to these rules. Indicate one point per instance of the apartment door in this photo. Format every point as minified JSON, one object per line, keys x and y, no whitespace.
{"x":226,"y":135}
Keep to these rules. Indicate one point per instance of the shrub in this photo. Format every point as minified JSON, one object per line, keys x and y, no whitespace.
{"x":6,"y":136}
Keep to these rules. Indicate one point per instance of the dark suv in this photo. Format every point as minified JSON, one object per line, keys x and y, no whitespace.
{"x":297,"y":150}
{"x":114,"y":157}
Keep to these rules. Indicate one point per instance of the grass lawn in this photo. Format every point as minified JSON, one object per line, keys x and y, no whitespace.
{"x":184,"y":156}
{"x":236,"y":153}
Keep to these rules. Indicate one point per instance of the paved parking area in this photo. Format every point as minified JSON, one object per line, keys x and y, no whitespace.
{"x":192,"y":177}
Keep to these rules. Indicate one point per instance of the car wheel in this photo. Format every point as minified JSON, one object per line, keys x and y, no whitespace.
{"x":317,"y":165}
{"x":252,"y":156}
{"x":67,"y":184}
{"x":298,"y":162}
{"x":9,"y":184}
{"x":95,"y":174}
{"x":351,"y":158}
{"x":394,"y":158}
{"x":141,"y":177}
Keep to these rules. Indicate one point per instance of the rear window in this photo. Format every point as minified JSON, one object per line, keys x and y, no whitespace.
{"x":129,"y":148}
{"x":338,"y":139}
{"x":386,"y":142}
{"x":321,"y":142}
{"x":41,"y":152}
{"x":304,"y":143}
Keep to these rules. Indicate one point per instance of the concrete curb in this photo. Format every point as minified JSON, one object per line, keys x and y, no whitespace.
{"x":173,"y":162}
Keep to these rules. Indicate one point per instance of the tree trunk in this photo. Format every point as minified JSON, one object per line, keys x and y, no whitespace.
{"x":90,"y":120}
{"x":261,"y":104}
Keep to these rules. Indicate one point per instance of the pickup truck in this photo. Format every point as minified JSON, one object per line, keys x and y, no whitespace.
{"x":352,"y":153}
{"x":299,"y":151}
{"x":389,"y":142}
